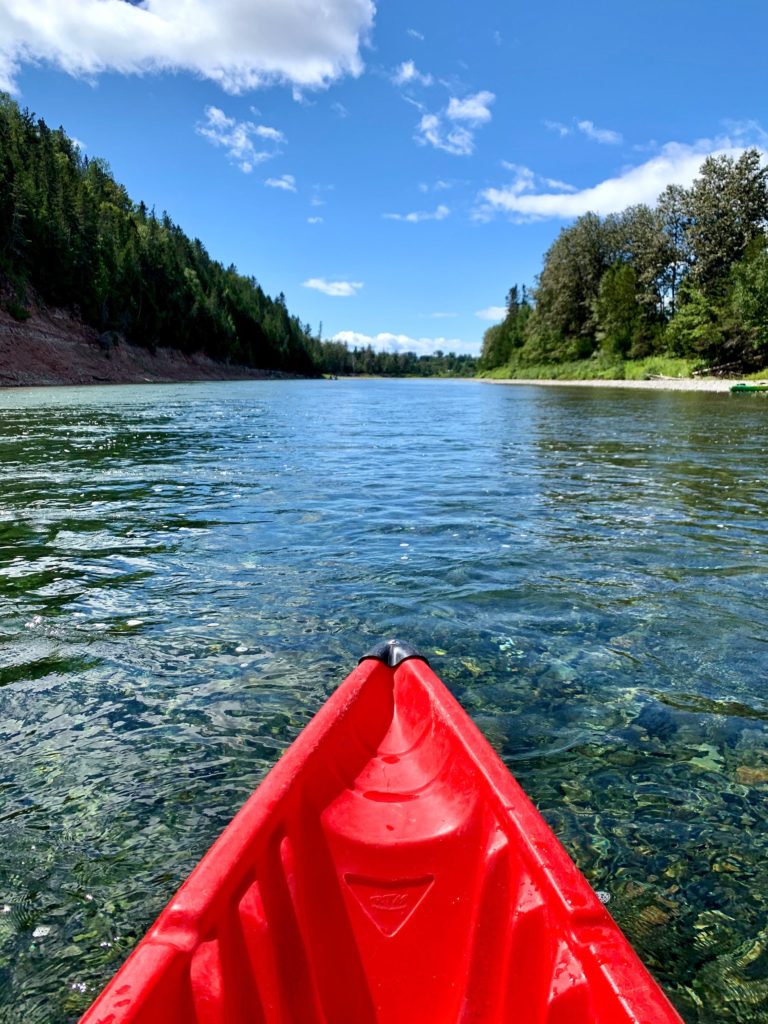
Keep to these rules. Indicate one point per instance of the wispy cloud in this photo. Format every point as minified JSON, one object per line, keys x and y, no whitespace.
{"x":239,"y":44}
{"x":414,"y":34}
{"x":286,"y":182}
{"x":473,"y":109}
{"x":314,"y":220}
{"x":523,"y":178}
{"x":453,"y":129}
{"x":605,"y":136}
{"x":339,"y":109}
{"x":243,"y":140}
{"x":437,"y":186}
{"x":528,"y":197}
{"x":337,"y":289}
{"x":420,"y":215}
{"x":494,"y":313}
{"x":441,"y":316}
{"x":317,"y":194}
{"x":559,"y":186}
{"x":557,"y":126}
{"x":386,"y":342}
{"x":433,"y":131}
{"x":408,"y":74}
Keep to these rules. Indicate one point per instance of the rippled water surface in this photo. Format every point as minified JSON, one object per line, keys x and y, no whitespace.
{"x":187,"y":571}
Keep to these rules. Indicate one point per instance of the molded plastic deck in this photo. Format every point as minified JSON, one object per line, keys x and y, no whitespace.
{"x":389,"y":870}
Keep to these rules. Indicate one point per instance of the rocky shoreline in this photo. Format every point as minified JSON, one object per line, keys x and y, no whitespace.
{"x":54,"y":347}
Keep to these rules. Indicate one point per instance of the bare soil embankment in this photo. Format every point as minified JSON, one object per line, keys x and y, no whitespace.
{"x":54,"y":347}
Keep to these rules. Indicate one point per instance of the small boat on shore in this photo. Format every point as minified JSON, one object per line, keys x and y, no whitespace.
{"x":388,"y":870}
{"x":745,"y":387}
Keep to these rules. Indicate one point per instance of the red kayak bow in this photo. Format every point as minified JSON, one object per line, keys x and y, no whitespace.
{"x":389,"y":870}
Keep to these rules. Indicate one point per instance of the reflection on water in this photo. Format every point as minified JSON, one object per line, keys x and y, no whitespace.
{"x":187,"y":571}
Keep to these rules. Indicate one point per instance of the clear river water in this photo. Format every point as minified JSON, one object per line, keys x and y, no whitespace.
{"x":186,"y":572}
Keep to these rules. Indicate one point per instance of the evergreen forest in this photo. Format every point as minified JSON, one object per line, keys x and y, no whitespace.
{"x":685,"y":281}
{"x":71,"y":237}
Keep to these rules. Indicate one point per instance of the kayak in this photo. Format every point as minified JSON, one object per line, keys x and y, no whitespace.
{"x":742,"y":388}
{"x":388,"y":870}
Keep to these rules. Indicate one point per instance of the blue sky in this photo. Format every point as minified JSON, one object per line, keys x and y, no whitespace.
{"x":392,"y":169}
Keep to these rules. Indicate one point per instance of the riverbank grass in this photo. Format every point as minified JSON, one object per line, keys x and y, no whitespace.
{"x":597,"y":369}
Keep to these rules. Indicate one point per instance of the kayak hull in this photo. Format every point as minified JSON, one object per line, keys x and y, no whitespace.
{"x":389,"y":870}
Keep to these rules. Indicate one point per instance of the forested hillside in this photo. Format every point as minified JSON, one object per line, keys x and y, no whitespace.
{"x":70,"y":234}
{"x":687,"y":278}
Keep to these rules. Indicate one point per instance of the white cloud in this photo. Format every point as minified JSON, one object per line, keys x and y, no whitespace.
{"x":286,"y":182}
{"x":413,"y":102}
{"x":386,"y":342}
{"x":263,"y":132}
{"x":457,"y":140}
{"x":337,"y":289}
{"x":314,"y":220}
{"x":559,"y":186}
{"x":556,"y":126}
{"x":420,"y":215}
{"x":239,"y":44}
{"x":441,"y":316}
{"x":676,"y":164}
{"x":340,"y":109}
{"x":453,"y":129}
{"x":238,"y":138}
{"x":415,"y":35}
{"x":747,"y":133}
{"x":437,"y":186}
{"x":603,"y":135}
{"x":494,"y":313}
{"x":317,"y":194}
{"x":472,"y":108}
{"x":407,"y":73}
{"x":523,"y":179}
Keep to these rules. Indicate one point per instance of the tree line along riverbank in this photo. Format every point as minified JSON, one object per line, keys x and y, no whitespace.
{"x":669,"y":290}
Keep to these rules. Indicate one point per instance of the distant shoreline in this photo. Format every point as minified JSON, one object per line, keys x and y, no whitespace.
{"x":707,"y":384}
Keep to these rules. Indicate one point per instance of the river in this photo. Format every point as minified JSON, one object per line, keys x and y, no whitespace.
{"x":186,"y":571}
